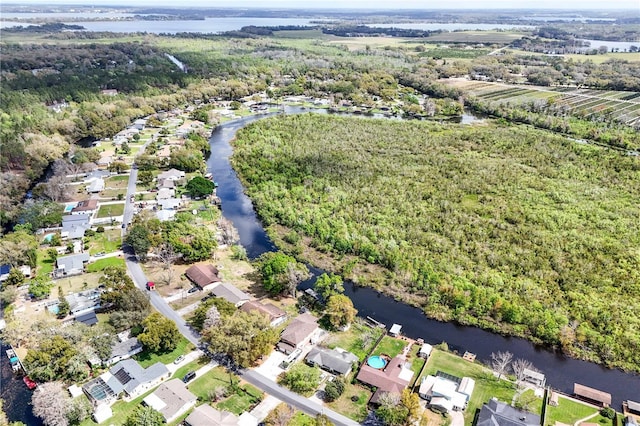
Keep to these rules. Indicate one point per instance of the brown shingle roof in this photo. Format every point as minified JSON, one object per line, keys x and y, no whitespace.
{"x":299,"y":329}
{"x":86,"y":205}
{"x":202,"y":275}
{"x":388,"y":379}
{"x":270,"y":310}
{"x":592,"y":394}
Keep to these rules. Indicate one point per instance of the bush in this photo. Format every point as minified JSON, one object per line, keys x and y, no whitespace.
{"x":99,"y":229}
{"x":334,"y":389}
{"x":608,"y":412}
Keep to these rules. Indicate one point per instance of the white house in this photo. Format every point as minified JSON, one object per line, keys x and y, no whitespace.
{"x":165,"y":193}
{"x":172,"y":399}
{"x":444,"y":394}
{"x":172,"y":174}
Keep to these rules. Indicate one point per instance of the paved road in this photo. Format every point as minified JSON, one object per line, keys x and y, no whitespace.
{"x":294,"y":399}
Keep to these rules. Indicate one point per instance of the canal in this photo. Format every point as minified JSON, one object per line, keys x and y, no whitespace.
{"x":561,"y":372}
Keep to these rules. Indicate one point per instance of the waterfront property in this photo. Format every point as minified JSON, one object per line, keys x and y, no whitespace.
{"x":393,"y":378}
{"x":534,"y":377}
{"x":172,"y":399}
{"x":276,"y":315}
{"x":446,"y":393}
{"x":336,"y":361}
{"x":230,"y":293}
{"x":425,"y":350}
{"x":171,"y":174}
{"x":89,"y":207}
{"x":302,"y":330}
{"x":206,"y":415}
{"x":496,"y":413}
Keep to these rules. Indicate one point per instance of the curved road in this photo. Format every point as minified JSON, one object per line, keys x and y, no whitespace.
{"x":158,"y":302}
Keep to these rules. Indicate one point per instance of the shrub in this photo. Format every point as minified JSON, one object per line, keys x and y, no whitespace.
{"x":89,"y":233}
{"x":608,"y":412}
{"x":334,"y":389}
{"x":100,"y":229}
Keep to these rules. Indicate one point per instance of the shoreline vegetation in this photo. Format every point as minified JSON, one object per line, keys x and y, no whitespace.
{"x":495,"y":226}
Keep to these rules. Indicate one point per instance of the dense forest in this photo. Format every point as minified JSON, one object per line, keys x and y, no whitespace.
{"x":506,"y":227}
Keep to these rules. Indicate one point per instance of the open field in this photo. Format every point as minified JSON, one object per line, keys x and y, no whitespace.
{"x":108,"y":241}
{"x":623,"y":106}
{"x":100,"y":264}
{"x":487,"y":386}
{"x":110,"y":210}
{"x":497,"y":37}
{"x":596,"y":59}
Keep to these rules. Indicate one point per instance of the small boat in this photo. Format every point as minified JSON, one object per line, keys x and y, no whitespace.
{"x":209,"y":176}
{"x":30,"y":383}
{"x":13,"y":360}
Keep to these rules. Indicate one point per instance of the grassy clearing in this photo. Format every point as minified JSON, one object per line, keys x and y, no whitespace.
{"x":357,"y":340}
{"x":100,"y":265}
{"x":193,"y":365}
{"x":356,"y":410}
{"x":44,"y":265}
{"x":568,"y":411}
{"x":498,"y":37}
{"x":111,"y":210}
{"x":301,"y":419}
{"x":390,"y":346}
{"x":108,"y":241}
{"x":121,"y":410}
{"x":302,"y":34}
{"x":78,"y":283}
{"x":487,"y":386}
{"x":146,"y":358}
{"x":242,"y":401}
{"x":214,"y":378}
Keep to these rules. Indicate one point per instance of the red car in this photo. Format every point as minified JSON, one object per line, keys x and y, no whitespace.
{"x":30,"y":383}
{"x":151,"y":285}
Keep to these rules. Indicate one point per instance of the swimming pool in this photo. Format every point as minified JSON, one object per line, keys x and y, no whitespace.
{"x":69,"y":207}
{"x":377,"y":362}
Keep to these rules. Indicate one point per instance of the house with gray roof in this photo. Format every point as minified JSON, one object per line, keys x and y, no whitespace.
{"x":126,"y":378}
{"x":74,"y":226}
{"x":230,"y":293}
{"x":172,"y":399}
{"x":71,"y":265}
{"x":124,"y":349}
{"x":83,"y":302}
{"x":302,"y":330}
{"x":170,"y":203}
{"x":95,"y":186}
{"x":165,"y":215}
{"x":165,"y":193}
{"x":496,"y":413}
{"x":206,"y":415}
{"x":172,"y":174}
{"x":336,"y":361}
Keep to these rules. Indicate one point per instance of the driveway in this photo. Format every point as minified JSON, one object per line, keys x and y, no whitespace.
{"x":457,"y":418}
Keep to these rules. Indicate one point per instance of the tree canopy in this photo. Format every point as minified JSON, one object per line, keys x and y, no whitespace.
{"x":159,"y":334}
{"x":199,"y":187}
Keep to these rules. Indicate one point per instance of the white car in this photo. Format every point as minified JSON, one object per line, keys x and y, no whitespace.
{"x":179,"y":359}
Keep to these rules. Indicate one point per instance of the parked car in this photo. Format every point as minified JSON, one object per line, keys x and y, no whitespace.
{"x":179,"y":359}
{"x":193,"y":290}
{"x":189,"y":376}
{"x":151,"y":285}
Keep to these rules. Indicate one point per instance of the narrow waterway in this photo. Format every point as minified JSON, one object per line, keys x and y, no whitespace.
{"x":561,"y":372}
{"x":14,"y":393}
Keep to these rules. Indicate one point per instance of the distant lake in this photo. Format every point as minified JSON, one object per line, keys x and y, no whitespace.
{"x":208,"y":25}
{"x":622,"y":45}
{"x":64,"y":15}
{"x":431,"y":26}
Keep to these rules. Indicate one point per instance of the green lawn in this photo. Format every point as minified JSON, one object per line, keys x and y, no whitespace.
{"x":201,"y":386}
{"x":111,"y":210}
{"x":146,"y":358}
{"x":121,"y":410}
{"x":530,"y":402}
{"x":44,"y":265}
{"x":192,"y":366}
{"x":354,"y":410}
{"x":390,"y":346}
{"x":121,"y":178}
{"x":487,"y":386}
{"x":416,"y":361}
{"x":107,"y":241}
{"x":301,"y":419}
{"x":241,"y":401}
{"x":567,"y":411}
{"x":357,"y":340}
{"x":101,"y":264}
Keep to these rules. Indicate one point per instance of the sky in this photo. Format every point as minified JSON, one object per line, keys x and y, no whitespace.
{"x":367,"y":4}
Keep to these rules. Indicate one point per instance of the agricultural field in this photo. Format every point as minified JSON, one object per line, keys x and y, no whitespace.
{"x":587,"y":103}
{"x":496,"y":37}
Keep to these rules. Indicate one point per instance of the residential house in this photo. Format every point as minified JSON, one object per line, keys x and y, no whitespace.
{"x":82,"y":302}
{"x":166,"y":183}
{"x":170,"y":204}
{"x":630,"y":421}
{"x":592,"y":395}
{"x":206,"y":415}
{"x":203,"y":275}
{"x":631,"y":407}
{"x":172,"y":399}
{"x":534,"y":377}
{"x":425,"y":350}
{"x":124,"y":349}
{"x":95,"y":186}
{"x":172,"y":174}
{"x":446,"y":393}
{"x":394,"y":378}
{"x":276,"y":315}
{"x":105,"y":161}
{"x":75,"y":225}
{"x":230,"y":293}
{"x":97,"y":174}
{"x":165,"y":193}
{"x":126,"y":378}
{"x":139,"y":124}
{"x":496,"y":413}
{"x":302,"y":330}
{"x":71,"y":265}
{"x":165,"y":215}
{"x":87,"y":318}
{"x":336,"y":361}
{"x":89,"y":207}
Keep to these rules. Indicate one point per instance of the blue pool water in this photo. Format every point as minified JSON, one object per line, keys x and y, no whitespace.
{"x":68,"y":208}
{"x":47,"y":238}
{"x":376,"y":362}
{"x":54,"y":309}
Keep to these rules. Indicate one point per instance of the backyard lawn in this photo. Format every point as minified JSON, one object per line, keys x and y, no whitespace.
{"x":487,"y":386}
{"x":192,"y":366}
{"x":100,"y":264}
{"x":213,"y":378}
{"x":357,"y":340}
{"x":146,"y":358}
{"x":242,"y":401}
{"x":111,"y":210}
{"x":390,"y":346}
{"x":356,"y":410}
{"x":568,"y":411}
{"x":302,"y":419}
{"x":107,"y":241}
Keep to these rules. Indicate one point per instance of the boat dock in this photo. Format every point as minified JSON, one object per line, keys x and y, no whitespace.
{"x":16,"y":365}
